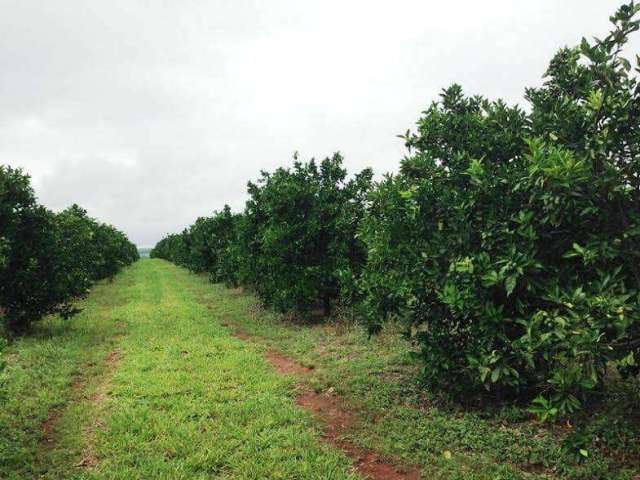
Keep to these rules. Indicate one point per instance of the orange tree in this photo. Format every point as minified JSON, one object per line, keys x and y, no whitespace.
{"x":509,"y":242}
{"x":206,"y":246}
{"x":300,"y":247}
{"x":48,"y":259}
{"x":294,"y":243}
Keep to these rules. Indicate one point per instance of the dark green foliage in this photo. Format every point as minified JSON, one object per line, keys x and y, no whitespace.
{"x":302,"y":251}
{"x":227,"y":226}
{"x":510,"y":242}
{"x":172,"y":248}
{"x":48,"y":259}
{"x":204,"y":246}
{"x":114,"y":251}
{"x":295,"y":243}
{"x":3,"y":366}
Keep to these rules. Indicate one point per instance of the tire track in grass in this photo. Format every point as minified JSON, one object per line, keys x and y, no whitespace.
{"x":52,"y":375}
{"x":336,"y":419}
{"x":49,"y":426}
{"x":78,"y":387}
{"x":89,"y":458}
{"x":88,"y":390}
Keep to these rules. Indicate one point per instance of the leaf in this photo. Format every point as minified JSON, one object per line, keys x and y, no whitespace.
{"x":510,"y":284}
{"x":585,"y":47}
{"x":625,"y":63}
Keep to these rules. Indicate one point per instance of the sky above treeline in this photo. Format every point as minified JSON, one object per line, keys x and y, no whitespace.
{"x":152,"y":113}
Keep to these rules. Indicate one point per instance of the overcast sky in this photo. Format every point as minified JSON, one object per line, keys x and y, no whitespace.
{"x":151,"y":113}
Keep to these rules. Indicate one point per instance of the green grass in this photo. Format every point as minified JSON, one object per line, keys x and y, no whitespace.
{"x":147,"y":382}
{"x":181,"y":399}
{"x":41,"y":372}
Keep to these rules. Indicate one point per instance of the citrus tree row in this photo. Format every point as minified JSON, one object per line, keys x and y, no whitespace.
{"x":508,"y":242}
{"x":49,"y":259}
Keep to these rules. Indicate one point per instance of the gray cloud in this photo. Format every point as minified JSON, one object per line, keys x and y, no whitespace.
{"x":152,"y":113}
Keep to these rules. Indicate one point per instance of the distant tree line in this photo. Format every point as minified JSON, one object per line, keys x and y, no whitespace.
{"x":508,"y":243}
{"x":47,"y":259}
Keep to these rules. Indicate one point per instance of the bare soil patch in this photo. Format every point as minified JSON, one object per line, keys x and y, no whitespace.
{"x":336,"y":420}
{"x":286,"y":365}
{"x":49,"y":429}
{"x":242,"y":336}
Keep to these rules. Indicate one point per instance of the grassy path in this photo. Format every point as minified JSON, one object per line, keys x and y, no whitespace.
{"x":165,"y":376}
{"x":172,"y":395}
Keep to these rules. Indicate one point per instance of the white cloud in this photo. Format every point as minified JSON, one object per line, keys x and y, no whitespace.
{"x":152,"y":113}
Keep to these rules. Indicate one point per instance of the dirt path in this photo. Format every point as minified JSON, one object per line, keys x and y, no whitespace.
{"x":335,"y":417}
